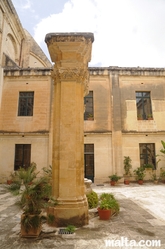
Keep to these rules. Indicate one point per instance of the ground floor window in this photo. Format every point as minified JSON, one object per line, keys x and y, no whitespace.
{"x":147,"y":154}
{"x":22,"y":156}
{"x":89,"y":161}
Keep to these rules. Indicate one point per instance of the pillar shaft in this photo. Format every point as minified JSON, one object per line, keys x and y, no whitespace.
{"x":71,"y":53}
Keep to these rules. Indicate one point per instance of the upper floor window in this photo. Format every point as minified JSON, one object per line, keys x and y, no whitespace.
{"x":143,"y":104}
{"x":88,"y":102}
{"x":147,"y":154}
{"x":25,"y":107}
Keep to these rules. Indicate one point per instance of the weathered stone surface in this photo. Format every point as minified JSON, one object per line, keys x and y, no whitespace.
{"x":71,"y":54}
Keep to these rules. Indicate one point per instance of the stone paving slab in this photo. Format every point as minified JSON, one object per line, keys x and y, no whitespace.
{"x":134,"y":221}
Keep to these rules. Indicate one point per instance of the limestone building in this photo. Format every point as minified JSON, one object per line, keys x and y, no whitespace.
{"x":128,"y":108}
{"x":124,"y":110}
{"x":25,"y":96}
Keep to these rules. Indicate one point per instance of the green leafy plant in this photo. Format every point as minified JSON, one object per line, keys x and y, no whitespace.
{"x":109,"y":204}
{"x":29,"y":221}
{"x":148,"y":166}
{"x":108,"y":201}
{"x":70,"y":228}
{"x":162,"y":174}
{"x":140,"y":116}
{"x":154,"y":177}
{"x":114,"y":177}
{"x":106,"y":196}
{"x":14,"y":188}
{"x":127,"y":165}
{"x":139,"y":173}
{"x":90,"y":115}
{"x":34,"y":192}
{"x":149,"y":116}
{"x":92,"y":199}
{"x":163,"y":149}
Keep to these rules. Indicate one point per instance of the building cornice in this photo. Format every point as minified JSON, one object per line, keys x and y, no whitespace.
{"x":133,"y":71}
{"x":68,"y":37}
{"x":28,"y":72}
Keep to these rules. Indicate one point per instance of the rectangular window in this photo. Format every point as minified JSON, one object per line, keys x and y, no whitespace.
{"x":88,"y":103}
{"x":89,"y":161}
{"x":22,"y":156}
{"x":143,"y":104}
{"x":147,"y":154}
{"x":25,"y":107}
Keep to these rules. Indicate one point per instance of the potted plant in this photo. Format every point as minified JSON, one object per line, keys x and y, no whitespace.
{"x":108,"y":205}
{"x":154,"y":177}
{"x":140,"y":174}
{"x":9,"y":181}
{"x":114,"y":179}
{"x":34,"y":192}
{"x":127,"y":167}
{"x":90,"y":116}
{"x":150,"y":117}
{"x":148,"y":166}
{"x":139,"y":117}
{"x":162,"y":174}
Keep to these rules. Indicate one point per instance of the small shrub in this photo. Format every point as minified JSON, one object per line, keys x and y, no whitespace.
{"x":92,"y":200}
{"x":114,"y":177}
{"x":106,"y":196}
{"x":127,"y":165}
{"x":108,"y":201}
{"x":70,"y":229}
{"x":14,"y":188}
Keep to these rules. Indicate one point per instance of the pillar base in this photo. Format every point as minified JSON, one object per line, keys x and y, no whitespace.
{"x":70,"y":213}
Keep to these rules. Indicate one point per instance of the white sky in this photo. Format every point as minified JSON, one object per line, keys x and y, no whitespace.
{"x":128,"y":33}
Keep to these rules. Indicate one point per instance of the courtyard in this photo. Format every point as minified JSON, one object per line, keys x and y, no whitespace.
{"x":141,"y":217}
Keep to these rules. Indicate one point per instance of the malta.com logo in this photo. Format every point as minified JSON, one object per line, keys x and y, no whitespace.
{"x":124,"y":242}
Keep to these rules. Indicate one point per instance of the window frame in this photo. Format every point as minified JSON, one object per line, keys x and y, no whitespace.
{"x":145,"y":112}
{"x":89,"y":108}
{"x":24,"y":108}
{"x":87,"y":154}
{"x":22,"y":159}
{"x":149,"y":155}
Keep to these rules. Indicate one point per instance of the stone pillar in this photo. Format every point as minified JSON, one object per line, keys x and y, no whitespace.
{"x":71,"y":53}
{"x":116,"y":127}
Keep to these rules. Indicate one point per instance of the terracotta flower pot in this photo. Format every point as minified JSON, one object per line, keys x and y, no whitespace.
{"x":9,"y":182}
{"x":104,"y":214}
{"x":126,"y":182}
{"x":113,"y":183}
{"x":140,"y":182}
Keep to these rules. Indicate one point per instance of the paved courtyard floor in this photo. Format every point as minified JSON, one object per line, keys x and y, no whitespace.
{"x":141,"y":217}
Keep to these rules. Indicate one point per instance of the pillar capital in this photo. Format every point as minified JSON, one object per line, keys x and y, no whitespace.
{"x":79,"y":75}
{"x":71,"y":53}
{"x":70,"y":49}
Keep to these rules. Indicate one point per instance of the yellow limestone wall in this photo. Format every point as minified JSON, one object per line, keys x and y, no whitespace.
{"x":16,"y":129}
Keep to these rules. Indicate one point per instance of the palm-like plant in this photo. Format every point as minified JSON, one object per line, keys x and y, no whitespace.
{"x":35,"y":192}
